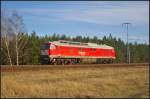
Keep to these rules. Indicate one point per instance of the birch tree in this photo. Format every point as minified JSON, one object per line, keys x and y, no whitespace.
{"x":13,"y":30}
{"x":5,"y":33}
{"x":17,"y":27}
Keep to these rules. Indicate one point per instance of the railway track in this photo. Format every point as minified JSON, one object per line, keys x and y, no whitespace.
{"x":6,"y":68}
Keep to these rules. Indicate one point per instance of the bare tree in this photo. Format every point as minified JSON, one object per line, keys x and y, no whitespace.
{"x":4,"y":30}
{"x":17,"y":27}
{"x":12,"y":29}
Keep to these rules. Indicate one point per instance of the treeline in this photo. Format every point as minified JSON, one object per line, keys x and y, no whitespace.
{"x":30,"y":53}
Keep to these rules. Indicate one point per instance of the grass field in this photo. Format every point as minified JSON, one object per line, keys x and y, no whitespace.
{"x":107,"y":82}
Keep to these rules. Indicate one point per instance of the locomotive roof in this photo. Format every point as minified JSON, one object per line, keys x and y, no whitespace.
{"x":79,"y":44}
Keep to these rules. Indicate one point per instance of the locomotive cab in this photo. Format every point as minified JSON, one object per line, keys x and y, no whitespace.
{"x":44,"y":53}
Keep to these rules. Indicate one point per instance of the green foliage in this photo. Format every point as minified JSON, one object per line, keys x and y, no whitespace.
{"x":31,"y":52}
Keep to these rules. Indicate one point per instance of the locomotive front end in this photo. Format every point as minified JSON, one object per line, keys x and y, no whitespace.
{"x":44,"y":53}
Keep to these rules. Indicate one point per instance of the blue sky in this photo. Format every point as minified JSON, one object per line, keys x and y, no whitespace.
{"x":85,"y":18}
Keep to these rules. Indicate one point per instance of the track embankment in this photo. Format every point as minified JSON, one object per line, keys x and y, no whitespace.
{"x":7,"y":68}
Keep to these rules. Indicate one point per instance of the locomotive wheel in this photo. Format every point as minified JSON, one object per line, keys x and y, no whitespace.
{"x":73,"y":61}
{"x":58,"y":62}
{"x":104,"y":61}
{"x":66,"y":62}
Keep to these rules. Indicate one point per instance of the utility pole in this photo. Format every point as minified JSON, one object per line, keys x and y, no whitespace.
{"x":128,"y":49}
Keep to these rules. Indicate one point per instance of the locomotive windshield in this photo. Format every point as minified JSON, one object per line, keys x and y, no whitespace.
{"x":45,"y":46}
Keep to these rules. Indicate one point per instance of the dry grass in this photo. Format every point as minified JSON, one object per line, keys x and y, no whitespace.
{"x":127,"y":82}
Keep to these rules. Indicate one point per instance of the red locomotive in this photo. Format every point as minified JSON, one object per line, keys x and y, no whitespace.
{"x":68,"y":52}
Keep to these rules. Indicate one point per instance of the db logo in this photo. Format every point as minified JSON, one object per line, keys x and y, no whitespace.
{"x":82,"y":53}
